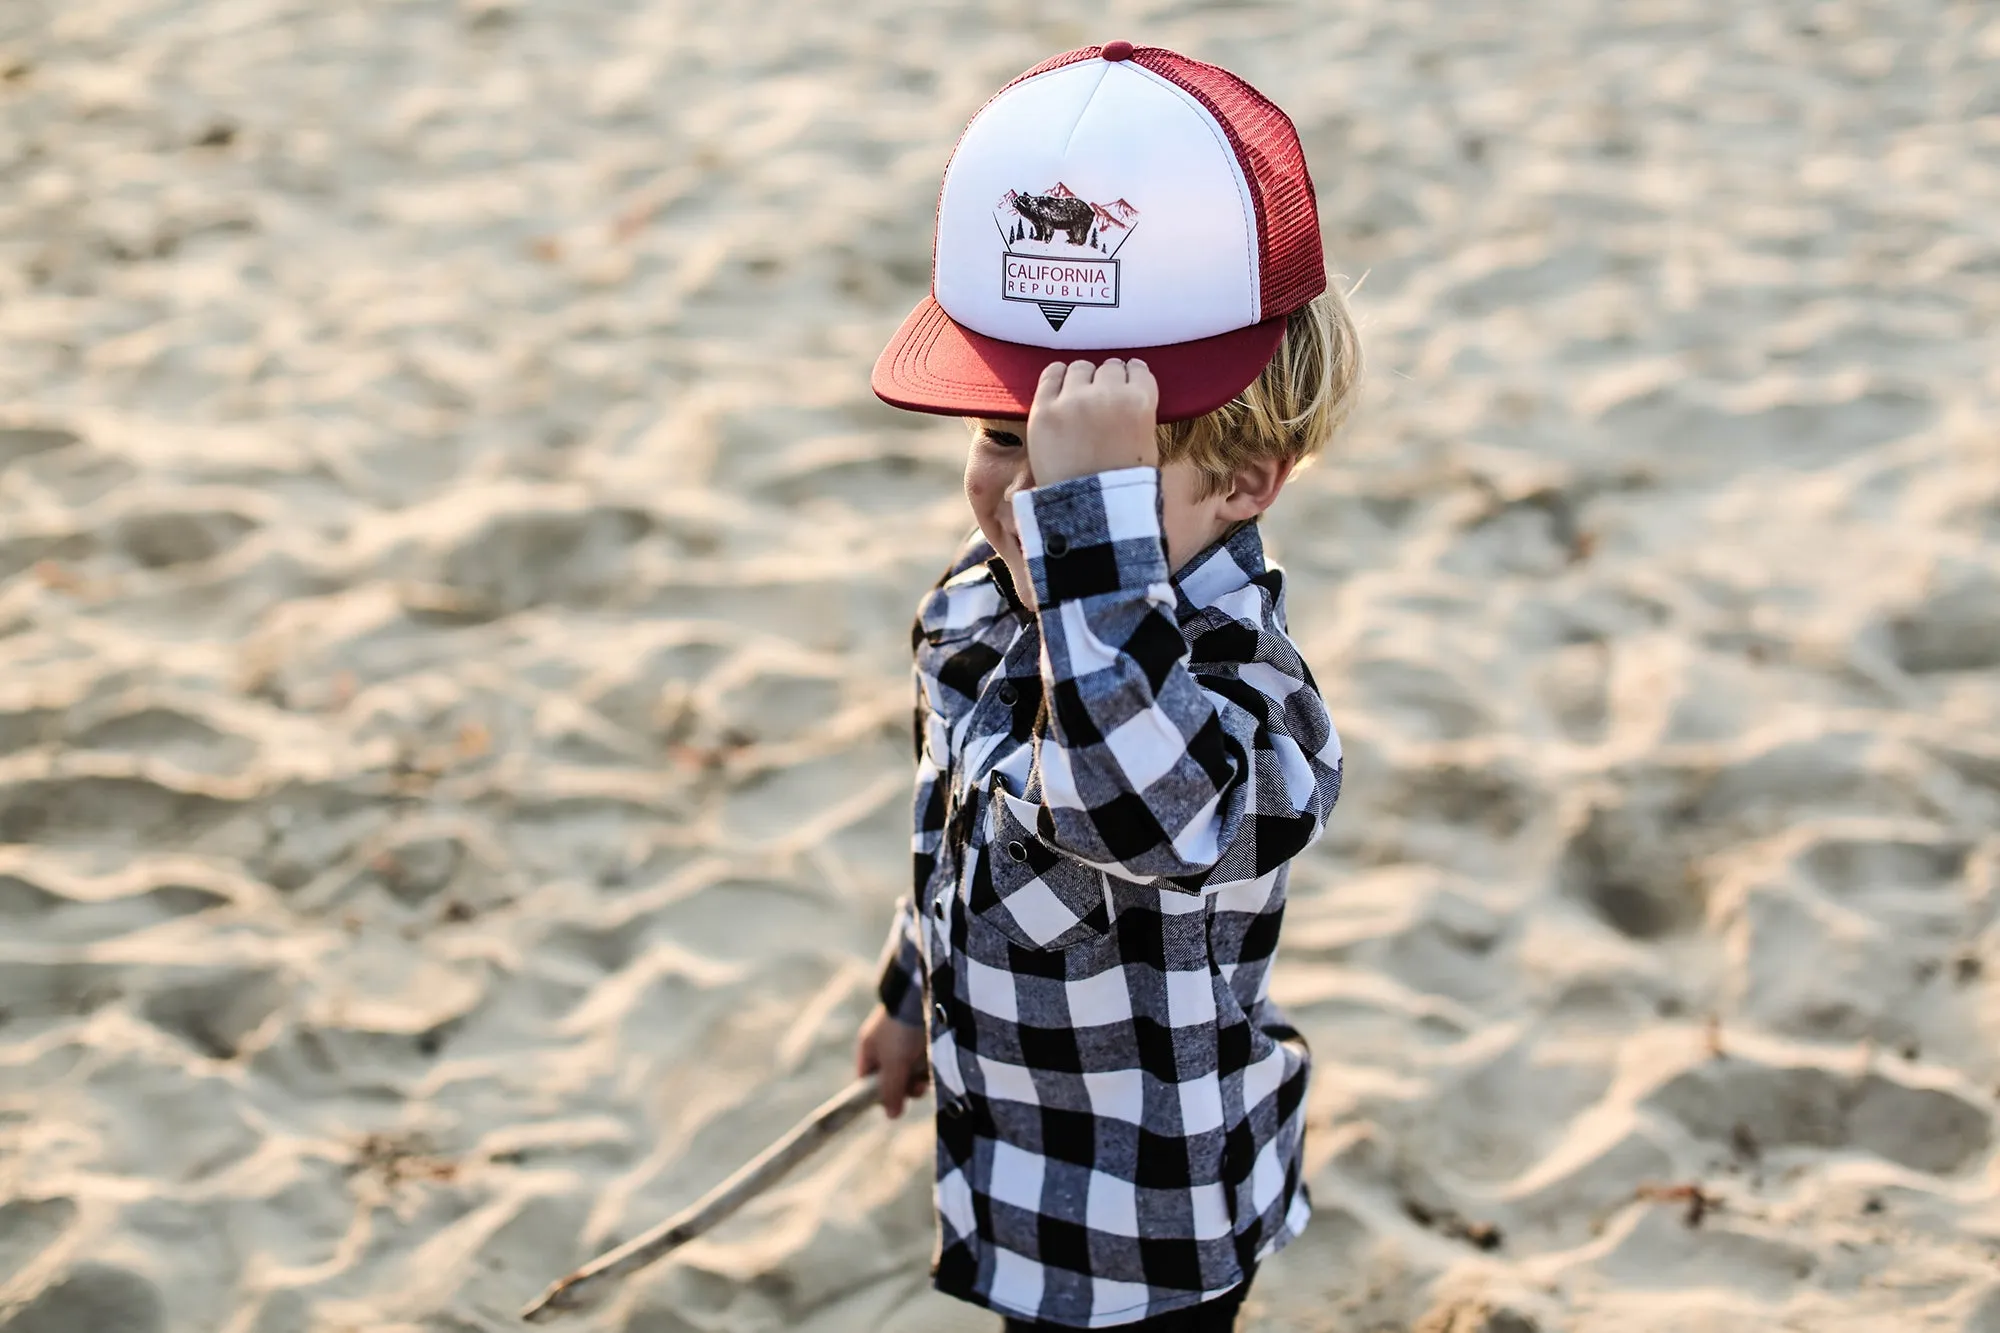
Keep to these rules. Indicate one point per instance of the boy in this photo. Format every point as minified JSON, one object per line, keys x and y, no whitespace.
{"x":1118,"y":747}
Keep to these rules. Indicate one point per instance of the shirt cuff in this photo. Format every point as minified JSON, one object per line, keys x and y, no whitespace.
{"x":1092,"y":535}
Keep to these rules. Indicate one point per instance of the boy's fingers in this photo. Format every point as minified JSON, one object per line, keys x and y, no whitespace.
{"x":1080,"y":374}
{"x":894,"y":1091}
{"x":1112,"y":371}
{"x":1139,"y":378}
{"x":1049,"y":385}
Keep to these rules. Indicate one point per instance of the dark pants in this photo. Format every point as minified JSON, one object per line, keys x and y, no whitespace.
{"x":1216,"y":1316}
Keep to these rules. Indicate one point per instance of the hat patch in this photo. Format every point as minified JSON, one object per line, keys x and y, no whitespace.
{"x":1059,"y":250}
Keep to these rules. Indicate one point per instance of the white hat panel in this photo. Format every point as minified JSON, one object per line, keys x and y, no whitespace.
{"x":1096,"y":206}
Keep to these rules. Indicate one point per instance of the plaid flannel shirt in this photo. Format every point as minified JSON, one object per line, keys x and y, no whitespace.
{"x":1107,"y":797}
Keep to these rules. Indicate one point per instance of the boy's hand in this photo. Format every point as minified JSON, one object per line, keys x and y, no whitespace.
{"x":1087,"y":419}
{"x":900,"y":1052}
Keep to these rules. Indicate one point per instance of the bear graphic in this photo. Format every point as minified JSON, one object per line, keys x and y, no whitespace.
{"x":1053,"y":213}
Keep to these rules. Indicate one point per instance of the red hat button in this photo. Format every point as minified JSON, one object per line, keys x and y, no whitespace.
{"x":1117,"y":51}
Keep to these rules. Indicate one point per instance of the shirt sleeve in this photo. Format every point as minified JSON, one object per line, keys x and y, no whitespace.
{"x":1150,"y":768}
{"x":901,"y":984}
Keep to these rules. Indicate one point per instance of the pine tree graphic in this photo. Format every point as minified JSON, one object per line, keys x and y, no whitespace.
{"x":1093,"y":240}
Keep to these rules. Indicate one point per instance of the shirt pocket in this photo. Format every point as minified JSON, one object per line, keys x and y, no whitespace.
{"x":1027,"y":890}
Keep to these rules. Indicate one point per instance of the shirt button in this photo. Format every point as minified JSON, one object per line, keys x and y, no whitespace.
{"x":1007,"y":693}
{"x":943,"y":1018}
{"x":938,"y":910}
{"x":1017,"y":851}
{"x":1056,"y":544}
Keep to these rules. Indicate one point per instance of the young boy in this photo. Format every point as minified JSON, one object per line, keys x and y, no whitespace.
{"x":1118,"y":747}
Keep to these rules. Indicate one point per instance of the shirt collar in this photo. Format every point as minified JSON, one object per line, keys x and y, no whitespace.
{"x":1220,"y":568}
{"x":1003,"y":579}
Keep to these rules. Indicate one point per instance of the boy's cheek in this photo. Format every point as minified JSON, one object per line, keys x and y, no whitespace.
{"x":986,"y":492}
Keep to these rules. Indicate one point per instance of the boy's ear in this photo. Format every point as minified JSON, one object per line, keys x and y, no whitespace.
{"x":1253,"y":487}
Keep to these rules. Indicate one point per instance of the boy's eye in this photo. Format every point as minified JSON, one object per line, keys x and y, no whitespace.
{"x":1005,"y":439}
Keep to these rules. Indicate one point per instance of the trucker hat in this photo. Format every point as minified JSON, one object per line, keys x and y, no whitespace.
{"x":1112,"y":201}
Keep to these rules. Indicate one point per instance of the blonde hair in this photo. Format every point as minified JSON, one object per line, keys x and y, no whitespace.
{"x":1290,"y":411}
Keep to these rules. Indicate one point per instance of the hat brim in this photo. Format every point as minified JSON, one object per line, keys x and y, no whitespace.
{"x":933,"y":364}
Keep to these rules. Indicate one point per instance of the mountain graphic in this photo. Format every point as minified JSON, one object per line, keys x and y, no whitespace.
{"x":1107,"y":217}
{"x":1058,"y":223}
{"x":1119,"y":213}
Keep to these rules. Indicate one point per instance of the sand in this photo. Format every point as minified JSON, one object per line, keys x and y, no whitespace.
{"x":453,"y":704}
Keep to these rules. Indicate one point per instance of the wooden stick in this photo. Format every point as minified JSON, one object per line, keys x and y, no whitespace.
{"x":759,"y":1175}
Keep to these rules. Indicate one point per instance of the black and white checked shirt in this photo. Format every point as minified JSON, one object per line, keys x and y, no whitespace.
{"x":1106,"y":800}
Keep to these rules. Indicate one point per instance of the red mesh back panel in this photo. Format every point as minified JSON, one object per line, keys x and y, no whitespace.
{"x":1267,"y":146}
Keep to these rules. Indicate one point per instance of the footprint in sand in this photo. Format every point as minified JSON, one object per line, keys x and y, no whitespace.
{"x":1955,"y":626}
{"x":132,"y":811}
{"x":54,"y":915}
{"x":19,"y":443}
{"x":515,"y":560}
{"x":28,"y":1227}
{"x":215,"y":1013}
{"x":1806,"y":1106}
{"x":1622,"y":863}
{"x":181,"y":737}
{"x":93,"y":1297}
{"x":162,"y":539}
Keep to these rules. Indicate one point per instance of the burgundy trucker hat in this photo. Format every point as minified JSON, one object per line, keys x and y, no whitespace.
{"x":1113,"y":201}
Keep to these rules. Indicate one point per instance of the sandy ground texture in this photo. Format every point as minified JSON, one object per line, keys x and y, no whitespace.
{"x":453,"y":597}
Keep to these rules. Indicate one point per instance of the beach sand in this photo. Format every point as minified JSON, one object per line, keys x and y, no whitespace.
{"x":454,"y":588}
